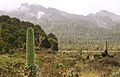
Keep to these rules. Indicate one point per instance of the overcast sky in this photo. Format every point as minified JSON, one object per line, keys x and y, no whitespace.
{"x":81,"y":7}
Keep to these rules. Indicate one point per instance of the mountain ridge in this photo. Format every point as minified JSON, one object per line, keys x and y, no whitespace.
{"x":67,"y":26}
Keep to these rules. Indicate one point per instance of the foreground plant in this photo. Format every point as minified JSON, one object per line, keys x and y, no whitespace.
{"x":30,"y":67}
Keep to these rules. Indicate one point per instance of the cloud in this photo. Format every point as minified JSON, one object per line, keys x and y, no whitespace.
{"x":72,"y":6}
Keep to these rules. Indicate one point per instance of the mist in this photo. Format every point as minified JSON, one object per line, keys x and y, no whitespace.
{"x":81,"y":7}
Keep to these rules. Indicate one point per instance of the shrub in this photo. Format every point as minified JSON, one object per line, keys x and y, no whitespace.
{"x":3,"y":51}
{"x":53,"y":41}
{"x":54,"y":44}
{"x":45,"y":43}
{"x":11,"y":51}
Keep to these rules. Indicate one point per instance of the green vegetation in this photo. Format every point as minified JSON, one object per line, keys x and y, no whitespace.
{"x":30,"y":52}
{"x":11,"y":51}
{"x":53,"y":41}
{"x":30,"y":47}
{"x":3,"y":51}
{"x":12,"y":65}
{"x":13,"y":32}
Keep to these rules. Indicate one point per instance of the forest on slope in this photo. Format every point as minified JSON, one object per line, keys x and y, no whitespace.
{"x":13,"y":35}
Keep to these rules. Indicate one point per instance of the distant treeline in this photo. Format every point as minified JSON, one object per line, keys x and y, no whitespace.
{"x":13,"y":35}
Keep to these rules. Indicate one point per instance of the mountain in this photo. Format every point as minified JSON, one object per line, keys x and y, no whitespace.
{"x":104,"y":13}
{"x":71,"y":28}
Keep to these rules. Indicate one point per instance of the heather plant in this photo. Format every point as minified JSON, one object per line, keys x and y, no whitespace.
{"x":3,"y":51}
{"x":11,"y":51}
{"x":80,"y":51}
{"x":71,"y":73}
{"x":116,"y":73}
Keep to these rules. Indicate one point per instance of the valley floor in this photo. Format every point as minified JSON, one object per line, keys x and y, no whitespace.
{"x":63,"y":64}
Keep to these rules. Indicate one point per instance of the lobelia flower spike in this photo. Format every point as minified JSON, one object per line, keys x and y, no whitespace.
{"x":30,"y":53}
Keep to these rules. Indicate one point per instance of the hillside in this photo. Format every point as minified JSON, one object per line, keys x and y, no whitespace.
{"x":72,"y":29}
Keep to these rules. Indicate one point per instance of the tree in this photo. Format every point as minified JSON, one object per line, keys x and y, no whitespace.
{"x":53,"y":41}
{"x":13,"y":33}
